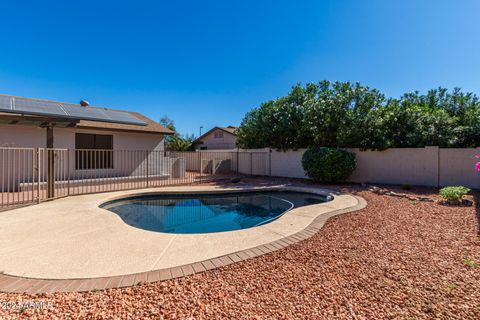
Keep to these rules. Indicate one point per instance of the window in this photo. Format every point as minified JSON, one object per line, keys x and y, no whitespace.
{"x":218,"y":134}
{"x":93,"y":151}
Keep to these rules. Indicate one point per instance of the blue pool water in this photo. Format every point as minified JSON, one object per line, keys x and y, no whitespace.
{"x":207,"y":213}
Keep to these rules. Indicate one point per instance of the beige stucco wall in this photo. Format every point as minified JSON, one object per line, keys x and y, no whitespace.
{"x":30,"y":136}
{"x":204,"y":159}
{"x":65,"y":138}
{"x":122,"y":142}
{"x":250,"y":162}
{"x":416,"y":166}
{"x":227,"y":142}
{"x":288,"y":164}
{"x":457,"y":167}
{"x":429,"y":166}
{"x":125,"y":163}
{"x":254,"y":162}
{"x":22,"y":136}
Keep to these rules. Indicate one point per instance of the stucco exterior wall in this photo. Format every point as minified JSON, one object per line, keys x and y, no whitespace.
{"x":125,"y":163}
{"x":33,"y":137}
{"x":416,"y":166}
{"x":211,"y":143}
{"x":457,"y":168}
{"x":288,"y":164}
{"x":205,"y":159}
{"x":250,"y":162}
{"x":22,"y":136}
{"x":254,"y":162}
{"x":65,"y":138}
{"x":123,"y":144}
{"x":429,"y":166}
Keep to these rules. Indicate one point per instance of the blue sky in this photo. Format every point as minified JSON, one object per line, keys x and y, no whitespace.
{"x":206,"y":63}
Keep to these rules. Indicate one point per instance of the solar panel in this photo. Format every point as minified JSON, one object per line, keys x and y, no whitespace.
{"x":40,"y":107}
{"x":65,"y":111}
{"x":5,"y":102}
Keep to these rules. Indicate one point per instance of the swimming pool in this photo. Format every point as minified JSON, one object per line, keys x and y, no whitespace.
{"x":206,"y":213}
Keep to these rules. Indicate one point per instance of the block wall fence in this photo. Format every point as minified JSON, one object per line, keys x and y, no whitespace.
{"x":429,"y":166}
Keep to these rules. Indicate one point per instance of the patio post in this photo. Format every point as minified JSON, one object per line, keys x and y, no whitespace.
{"x":68,"y":172}
{"x":50,"y":163}
{"x":33,"y":174}
{"x":38,"y":173}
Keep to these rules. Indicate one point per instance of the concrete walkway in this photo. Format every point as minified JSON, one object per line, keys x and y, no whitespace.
{"x":72,"y":238}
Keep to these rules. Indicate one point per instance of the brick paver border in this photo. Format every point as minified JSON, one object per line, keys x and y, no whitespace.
{"x":36,"y":286}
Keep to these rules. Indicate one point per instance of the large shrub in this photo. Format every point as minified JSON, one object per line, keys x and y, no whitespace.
{"x":328,"y":164}
{"x":346,"y":115}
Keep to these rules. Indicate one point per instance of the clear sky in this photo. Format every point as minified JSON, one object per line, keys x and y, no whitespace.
{"x":206,"y":63}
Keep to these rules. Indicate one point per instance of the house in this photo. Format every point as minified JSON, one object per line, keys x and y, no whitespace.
{"x":26,"y":122}
{"x":217,"y":138}
{"x":77,"y":142}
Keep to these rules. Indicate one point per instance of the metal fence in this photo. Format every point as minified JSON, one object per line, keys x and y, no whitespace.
{"x":32,"y":175}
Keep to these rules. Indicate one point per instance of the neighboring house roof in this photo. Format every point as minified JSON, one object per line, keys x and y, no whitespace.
{"x":229,"y":129}
{"x":150,"y":127}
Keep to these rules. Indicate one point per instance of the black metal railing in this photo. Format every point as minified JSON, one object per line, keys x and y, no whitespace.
{"x":32,"y":175}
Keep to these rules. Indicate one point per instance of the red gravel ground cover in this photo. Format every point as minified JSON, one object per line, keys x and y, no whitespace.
{"x":394,"y":259}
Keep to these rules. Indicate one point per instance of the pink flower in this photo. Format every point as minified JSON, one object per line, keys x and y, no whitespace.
{"x":477,"y":156}
{"x":478,"y":166}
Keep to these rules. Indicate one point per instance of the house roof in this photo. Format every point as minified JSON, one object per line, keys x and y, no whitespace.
{"x":229,"y":129}
{"x":150,"y":127}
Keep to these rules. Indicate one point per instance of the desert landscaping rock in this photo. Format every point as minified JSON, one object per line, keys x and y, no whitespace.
{"x":395,"y":259}
{"x":409,"y":196}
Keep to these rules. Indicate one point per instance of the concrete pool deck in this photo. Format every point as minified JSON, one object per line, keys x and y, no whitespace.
{"x":71,"y":244}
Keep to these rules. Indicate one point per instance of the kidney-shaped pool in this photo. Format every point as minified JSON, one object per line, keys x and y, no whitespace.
{"x":206,"y":213}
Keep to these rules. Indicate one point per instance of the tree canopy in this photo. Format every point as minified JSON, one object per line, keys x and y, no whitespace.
{"x":342,"y":114}
{"x":177,"y":142}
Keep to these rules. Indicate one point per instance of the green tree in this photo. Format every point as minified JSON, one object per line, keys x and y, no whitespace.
{"x":168,"y":123}
{"x":177,"y":142}
{"x":319,"y":114}
{"x":342,"y":114}
{"x":181,"y":143}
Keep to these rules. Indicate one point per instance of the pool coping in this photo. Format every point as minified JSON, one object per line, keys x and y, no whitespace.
{"x":18,"y":284}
